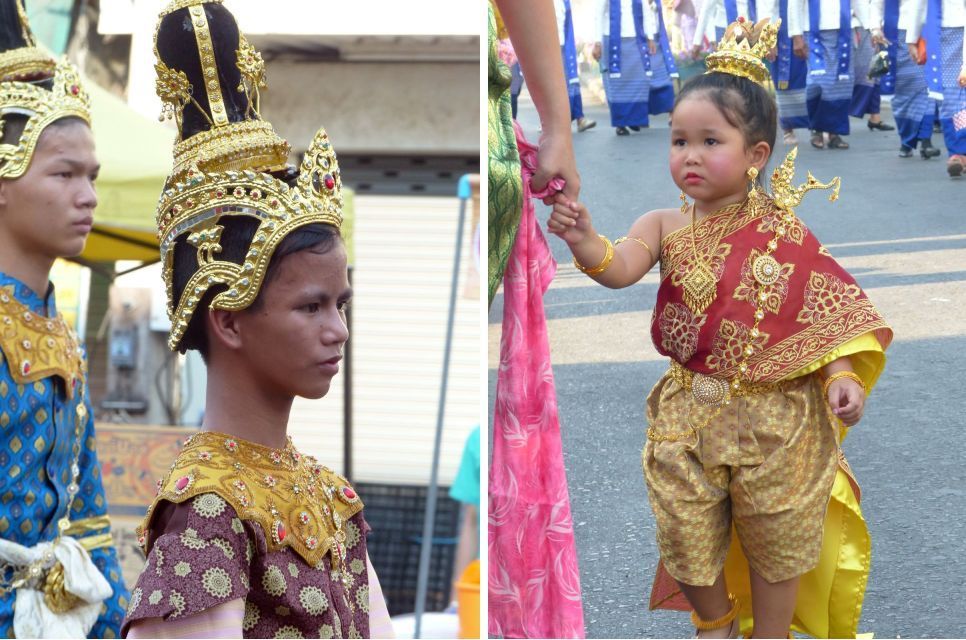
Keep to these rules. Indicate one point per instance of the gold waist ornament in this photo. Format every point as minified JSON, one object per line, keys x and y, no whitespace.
{"x":708,"y":391}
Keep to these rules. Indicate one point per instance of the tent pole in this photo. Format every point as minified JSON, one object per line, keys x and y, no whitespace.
{"x":463,"y":192}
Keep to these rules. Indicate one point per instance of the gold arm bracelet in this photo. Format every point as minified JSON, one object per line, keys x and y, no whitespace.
{"x":718,"y":623}
{"x":602,"y":267}
{"x":851,"y":375}
{"x":100,"y":541}
{"x":638,"y":241}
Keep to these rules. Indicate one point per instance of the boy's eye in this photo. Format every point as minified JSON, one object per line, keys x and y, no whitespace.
{"x":678,"y":142}
{"x":710,"y":141}
{"x":344,"y":305}
{"x":312,"y":307}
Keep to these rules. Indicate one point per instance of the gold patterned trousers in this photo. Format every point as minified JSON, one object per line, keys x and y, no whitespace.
{"x":765,"y":463}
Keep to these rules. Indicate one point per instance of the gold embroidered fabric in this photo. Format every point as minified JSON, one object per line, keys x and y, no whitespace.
{"x":766,"y":464}
{"x":298,"y":502}
{"x":37,"y":347}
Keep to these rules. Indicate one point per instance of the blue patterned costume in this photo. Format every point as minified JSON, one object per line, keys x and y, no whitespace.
{"x":37,"y":433}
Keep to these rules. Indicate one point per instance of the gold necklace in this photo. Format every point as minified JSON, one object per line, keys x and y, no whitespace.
{"x":701,"y":284}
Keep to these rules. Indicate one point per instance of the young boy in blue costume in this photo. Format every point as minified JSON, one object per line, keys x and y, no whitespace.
{"x":60,"y":576}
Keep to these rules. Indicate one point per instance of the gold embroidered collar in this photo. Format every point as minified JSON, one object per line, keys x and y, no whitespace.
{"x":37,"y":347}
{"x":298,"y":502}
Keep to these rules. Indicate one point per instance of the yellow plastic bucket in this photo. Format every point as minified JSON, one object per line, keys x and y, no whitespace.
{"x":468,"y":601}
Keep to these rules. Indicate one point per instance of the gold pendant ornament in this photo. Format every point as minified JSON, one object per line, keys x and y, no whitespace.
{"x":766,"y":270}
{"x":700,"y":287}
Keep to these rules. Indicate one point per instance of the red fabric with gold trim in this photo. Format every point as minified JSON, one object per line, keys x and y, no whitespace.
{"x":814,"y":306}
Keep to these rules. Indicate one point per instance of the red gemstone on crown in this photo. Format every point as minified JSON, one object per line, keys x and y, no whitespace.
{"x":329,"y":181}
{"x":26,"y":367}
{"x":279,"y":532}
{"x":182,"y":484}
{"x":74,"y":89}
{"x":741,"y":18}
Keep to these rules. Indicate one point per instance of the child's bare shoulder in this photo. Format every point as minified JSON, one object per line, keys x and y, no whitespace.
{"x":660,"y":221}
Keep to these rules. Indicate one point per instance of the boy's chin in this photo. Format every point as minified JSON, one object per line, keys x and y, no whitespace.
{"x":315,"y":393}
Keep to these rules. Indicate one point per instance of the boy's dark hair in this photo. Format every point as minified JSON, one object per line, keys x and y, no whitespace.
{"x":235,"y":241}
{"x":744,"y":104}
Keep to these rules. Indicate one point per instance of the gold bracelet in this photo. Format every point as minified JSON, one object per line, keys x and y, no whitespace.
{"x":851,"y":375}
{"x":638,"y":241}
{"x":602,"y":267}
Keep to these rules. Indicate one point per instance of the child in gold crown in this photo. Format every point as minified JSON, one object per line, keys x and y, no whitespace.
{"x":773,"y":348}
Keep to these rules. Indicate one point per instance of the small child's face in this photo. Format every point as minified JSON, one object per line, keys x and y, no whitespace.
{"x":708,"y":156}
{"x":295,"y":337}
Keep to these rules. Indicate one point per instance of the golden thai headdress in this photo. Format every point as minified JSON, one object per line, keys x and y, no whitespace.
{"x":227,"y":161}
{"x":738,"y":56}
{"x":34,"y":85}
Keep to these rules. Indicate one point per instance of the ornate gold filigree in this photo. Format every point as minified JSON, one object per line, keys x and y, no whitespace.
{"x":37,"y":347}
{"x":824,"y":295}
{"x":298,"y":502}
{"x":679,"y":330}
{"x":197,"y":204}
{"x":252,"y":68}
{"x":786,"y":195}
{"x":173,"y":88}
{"x":67,"y":97}
{"x":737,"y":56}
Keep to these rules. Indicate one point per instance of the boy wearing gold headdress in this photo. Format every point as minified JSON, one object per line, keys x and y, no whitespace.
{"x":773,"y":348}
{"x":60,"y":574}
{"x":248,"y":537}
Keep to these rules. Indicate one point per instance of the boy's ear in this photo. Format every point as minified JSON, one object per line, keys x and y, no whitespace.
{"x":223,"y":328}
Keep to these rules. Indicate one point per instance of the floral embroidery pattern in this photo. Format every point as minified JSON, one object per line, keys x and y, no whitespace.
{"x":313,"y":600}
{"x":208,"y":505}
{"x":362,"y":597}
{"x":775,"y":294}
{"x":251,"y":616}
{"x":679,"y":331}
{"x":274,"y":581}
{"x":795,"y":229}
{"x":189,"y":538}
{"x":217,"y":582}
{"x":176,"y":600}
{"x":155,"y":596}
{"x":288,"y":631}
{"x":727,"y":347}
{"x":352,"y":534}
{"x":182,"y":569}
{"x":825,"y":294}
{"x":357,"y":566}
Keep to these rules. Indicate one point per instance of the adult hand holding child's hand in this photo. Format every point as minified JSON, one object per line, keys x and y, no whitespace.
{"x":569,"y":220}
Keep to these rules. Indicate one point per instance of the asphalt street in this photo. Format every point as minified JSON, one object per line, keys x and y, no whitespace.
{"x":900,"y":228}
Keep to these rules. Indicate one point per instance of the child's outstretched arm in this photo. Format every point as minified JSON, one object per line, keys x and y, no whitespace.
{"x":845,"y":390}
{"x":612,"y":266}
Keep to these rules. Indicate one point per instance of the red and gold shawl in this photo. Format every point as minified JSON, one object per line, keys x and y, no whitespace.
{"x":813,"y":308}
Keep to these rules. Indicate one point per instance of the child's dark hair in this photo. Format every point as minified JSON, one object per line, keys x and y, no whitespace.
{"x":235,"y":240}
{"x":743,"y":103}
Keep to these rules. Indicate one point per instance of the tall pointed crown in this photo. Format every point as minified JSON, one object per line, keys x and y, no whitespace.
{"x":34,"y":85}
{"x":209,"y":81}
{"x":738,"y":56}
{"x":228,"y":162}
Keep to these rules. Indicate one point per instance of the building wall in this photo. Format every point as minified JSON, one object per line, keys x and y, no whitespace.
{"x":377,"y":107}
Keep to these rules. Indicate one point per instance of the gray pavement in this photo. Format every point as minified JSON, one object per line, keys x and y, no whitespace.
{"x":900,"y":228}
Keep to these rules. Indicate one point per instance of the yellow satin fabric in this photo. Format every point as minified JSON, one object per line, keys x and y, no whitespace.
{"x":830,"y":596}
{"x":865,"y":352}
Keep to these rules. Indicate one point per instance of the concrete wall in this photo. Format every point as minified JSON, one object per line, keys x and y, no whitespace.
{"x":377,"y":107}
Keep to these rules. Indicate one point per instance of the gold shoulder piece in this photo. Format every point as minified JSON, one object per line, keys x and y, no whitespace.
{"x":37,"y":347}
{"x":298,"y":503}
{"x":787,"y":196}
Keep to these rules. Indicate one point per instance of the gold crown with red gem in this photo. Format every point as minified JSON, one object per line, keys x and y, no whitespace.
{"x":736,"y":55}
{"x":26,"y":72}
{"x":226,"y":162}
